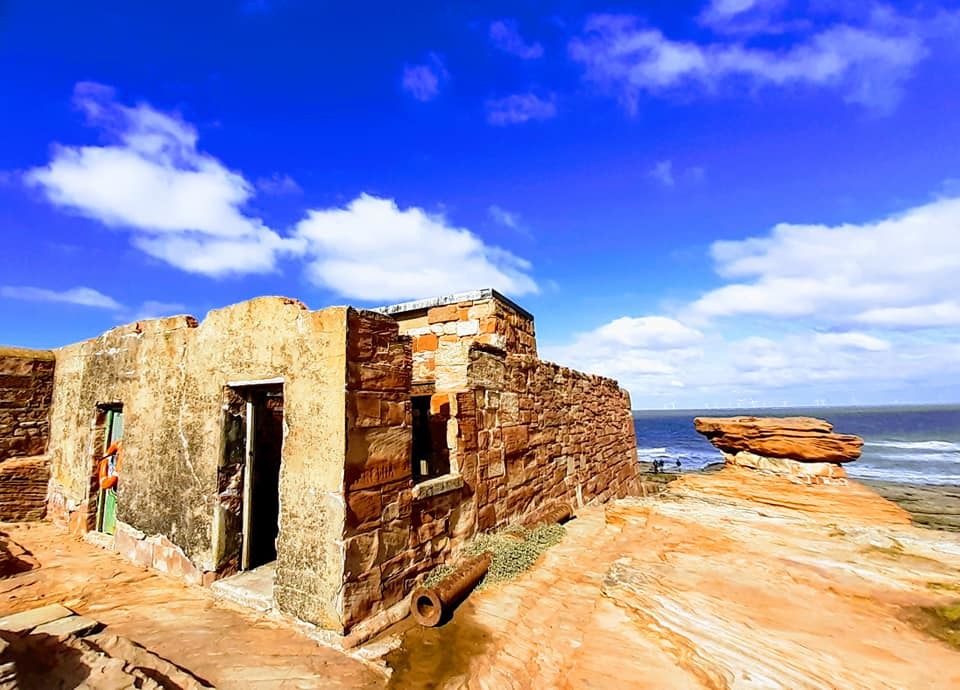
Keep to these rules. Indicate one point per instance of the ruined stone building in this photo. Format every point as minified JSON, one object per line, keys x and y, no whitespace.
{"x":352,"y":450}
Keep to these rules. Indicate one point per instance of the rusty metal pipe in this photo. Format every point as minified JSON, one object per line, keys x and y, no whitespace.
{"x":557,"y":514}
{"x":431,"y":605}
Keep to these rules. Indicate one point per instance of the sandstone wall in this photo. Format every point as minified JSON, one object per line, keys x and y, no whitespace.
{"x":547,"y":436}
{"x":26,"y":388}
{"x":170,"y":376}
{"x":23,"y":488}
{"x":486,"y":320}
{"x":524,"y":436}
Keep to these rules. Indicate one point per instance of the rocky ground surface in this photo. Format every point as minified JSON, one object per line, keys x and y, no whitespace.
{"x":727,"y":580}
{"x":929,"y":505}
{"x":219,"y":643}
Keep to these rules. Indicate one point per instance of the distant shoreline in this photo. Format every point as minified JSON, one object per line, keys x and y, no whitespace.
{"x":708,"y":411}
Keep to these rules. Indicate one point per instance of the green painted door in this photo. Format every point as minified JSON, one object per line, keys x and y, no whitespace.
{"x":107,"y":499}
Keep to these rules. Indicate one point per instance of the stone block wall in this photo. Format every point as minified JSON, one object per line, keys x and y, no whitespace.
{"x":547,"y":436}
{"x":524,"y":436}
{"x":482,"y":317}
{"x":377,"y":476}
{"x":23,"y":488}
{"x":26,"y":390}
{"x":395,"y":531}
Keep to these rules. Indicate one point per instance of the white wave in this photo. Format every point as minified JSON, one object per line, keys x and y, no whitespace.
{"x":653,"y":452}
{"x":916,"y":445}
{"x":904,"y":476}
{"x":897,"y":458}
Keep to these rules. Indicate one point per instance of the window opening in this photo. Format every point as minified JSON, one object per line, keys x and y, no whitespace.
{"x":431,"y":457}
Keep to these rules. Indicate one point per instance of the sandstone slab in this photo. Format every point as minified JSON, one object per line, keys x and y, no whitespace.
{"x":805,"y":439}
{"x":65,"y":627}
{"x":27,"y":620}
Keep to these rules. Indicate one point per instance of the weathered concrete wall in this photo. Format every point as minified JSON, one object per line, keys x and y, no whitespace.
{"x":170,"y":375}
{"x":26,"y":389}
{"x":486,"y":320}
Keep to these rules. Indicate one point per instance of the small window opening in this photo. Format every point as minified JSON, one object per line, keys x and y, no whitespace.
{"x":431,"y":457}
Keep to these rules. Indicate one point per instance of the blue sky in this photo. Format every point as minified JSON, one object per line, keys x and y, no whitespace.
{"x":717,"y":203}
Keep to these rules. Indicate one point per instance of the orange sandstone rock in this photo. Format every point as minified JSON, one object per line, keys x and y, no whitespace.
{"x":805,"y":439}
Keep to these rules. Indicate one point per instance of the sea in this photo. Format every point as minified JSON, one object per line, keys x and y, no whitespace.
{"x":915,"y":445}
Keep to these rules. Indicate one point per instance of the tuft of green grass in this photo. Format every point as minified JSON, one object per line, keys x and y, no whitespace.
{"x":437,"y":574}
{"x":514,"y":549}
{"x":943,"y":622}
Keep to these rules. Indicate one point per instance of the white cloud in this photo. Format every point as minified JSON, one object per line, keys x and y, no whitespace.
{"x":509,"y":219}
{"x":867,"y":64}
{"x":82,"y":296}
{"x":156,"y":310}
{"x":742,"y":16}
{"x":852,"y":340}
{"x":278,"y":184}
{"x":939,"y":314}
{"x":519,"y":108}
{"x":504,"y":217}
{"x":183,"y":206}
{"x":505,"y":36}
{"x":373,"y":250}
{"x":648,"y":332}
{"x":899,"y":272}
{"x":423,"y":81}
{"x":867,"y":309}
{"x":662,"y":172}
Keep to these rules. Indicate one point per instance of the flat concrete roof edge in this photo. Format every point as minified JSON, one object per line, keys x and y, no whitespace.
{"x":470,"y":295}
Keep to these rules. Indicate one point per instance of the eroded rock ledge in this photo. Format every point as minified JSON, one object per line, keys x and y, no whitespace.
{"x":803,"y":447}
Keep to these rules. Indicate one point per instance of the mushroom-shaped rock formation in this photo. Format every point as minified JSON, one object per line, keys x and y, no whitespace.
{"x":796,"y":446}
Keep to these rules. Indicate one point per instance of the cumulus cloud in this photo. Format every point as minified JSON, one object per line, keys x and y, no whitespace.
{"x":185,"y":208}
{"x":866,"y":64}
{"x":505,"y":36}
{"x":423,"y":81}
{"x":181,"y":205}
{"x":519,"y":108}
{"x":374,"y":250}
{"x":898,"y":272}
{"x":82,"y":296}
{"x":744,"y":16}
{"x":807,"y":312}
{"x":638,"y":351}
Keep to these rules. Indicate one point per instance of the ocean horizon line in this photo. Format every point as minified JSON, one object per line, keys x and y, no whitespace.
{"x":872,"y":406}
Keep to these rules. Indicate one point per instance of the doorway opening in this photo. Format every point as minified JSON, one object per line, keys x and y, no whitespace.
{"x":250,"y":474}
{"x":108,"y":456}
